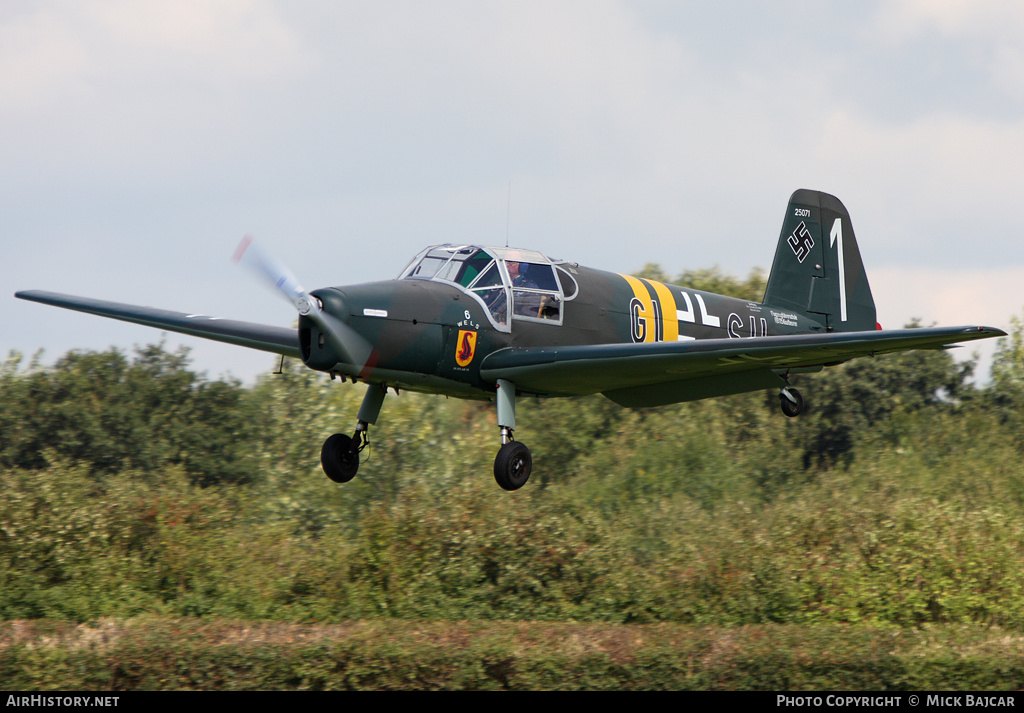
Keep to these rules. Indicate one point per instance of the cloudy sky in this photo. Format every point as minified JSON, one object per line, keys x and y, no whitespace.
{"x":139,"y":141}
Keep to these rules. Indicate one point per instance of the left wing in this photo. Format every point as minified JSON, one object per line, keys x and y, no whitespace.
{"x":667,"y":372}
{"x":246,"y":334}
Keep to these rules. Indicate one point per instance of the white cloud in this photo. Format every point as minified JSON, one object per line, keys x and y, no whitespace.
{"x":245,"y":37}
{"x":949,"y":297}
{"x":49,"y":52}
{"x":131,"y":90}
{"x":954,"y":18}
{"x":984,"y":33}
{"x":935,"y":170}
{"x":41,"y":55}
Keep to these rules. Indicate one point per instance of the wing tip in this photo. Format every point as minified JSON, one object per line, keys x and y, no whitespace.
{"x":987,"y":331}
{"x":31,"y":295}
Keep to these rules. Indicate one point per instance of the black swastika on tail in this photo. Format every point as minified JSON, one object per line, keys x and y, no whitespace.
{"x":801,"y":241}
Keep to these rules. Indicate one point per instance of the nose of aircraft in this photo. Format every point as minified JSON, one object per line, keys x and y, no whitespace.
{"x":335,"y":302}
{"x":316,"y":347}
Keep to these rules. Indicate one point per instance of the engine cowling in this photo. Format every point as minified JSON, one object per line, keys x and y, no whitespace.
{"x":314,"y":346}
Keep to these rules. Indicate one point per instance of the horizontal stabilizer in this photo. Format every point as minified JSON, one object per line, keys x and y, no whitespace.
{"x":278,"y":340}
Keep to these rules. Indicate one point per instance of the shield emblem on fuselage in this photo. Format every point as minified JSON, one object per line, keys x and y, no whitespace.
{"x":465,"y":347}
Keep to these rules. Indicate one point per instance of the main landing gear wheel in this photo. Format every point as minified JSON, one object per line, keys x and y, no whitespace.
{"x":792,"y":402}
{"x":340,"y":458}
{"x":513,"y":465}
{"x":340,"y":453}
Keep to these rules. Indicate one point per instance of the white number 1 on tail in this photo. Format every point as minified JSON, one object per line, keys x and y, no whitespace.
{"x":834,"y":237}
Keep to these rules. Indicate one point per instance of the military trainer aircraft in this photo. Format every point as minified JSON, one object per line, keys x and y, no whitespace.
{"x":495,"y":323}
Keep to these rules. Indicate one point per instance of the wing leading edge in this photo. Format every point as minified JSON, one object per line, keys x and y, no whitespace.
{"x":278,"y":340}
{"x":639,"y":375}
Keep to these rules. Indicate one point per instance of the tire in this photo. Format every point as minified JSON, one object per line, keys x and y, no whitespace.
{"x":339,"y":461}
{"x":512,"y":465}
{"x":788,"y":407}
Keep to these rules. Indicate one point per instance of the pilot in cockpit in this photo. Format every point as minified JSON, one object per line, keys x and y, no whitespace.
{"x":519,"y":273}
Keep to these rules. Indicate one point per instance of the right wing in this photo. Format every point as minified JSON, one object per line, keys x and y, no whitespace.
{"x":278,"y":340}
{"x":654,"y":374}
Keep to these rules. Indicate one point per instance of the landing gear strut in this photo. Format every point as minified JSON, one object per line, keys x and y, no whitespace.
{"x":791,"y":401}
{"x":513,"y":463}
{"x":339,"y":455}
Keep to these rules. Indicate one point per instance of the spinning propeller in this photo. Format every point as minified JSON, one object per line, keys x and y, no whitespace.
{"x":345,"y":340}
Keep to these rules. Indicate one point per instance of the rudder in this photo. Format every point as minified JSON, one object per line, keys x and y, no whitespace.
{"x":818,"y":268}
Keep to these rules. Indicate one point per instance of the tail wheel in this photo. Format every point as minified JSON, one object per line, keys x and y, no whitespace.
{"x":339,"y":459}
{"x":512,"y":466}
{"x":792,"y":402}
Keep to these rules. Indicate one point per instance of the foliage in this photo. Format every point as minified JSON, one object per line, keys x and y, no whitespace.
{"x":134,"y":487}
{"x":111,"y":415}
{"x":1006,"y":396}
{"x":1008,"y":363}
{"x":711,"y":280}
{"x":212,"y":654}
{"x":874,"y":395}
{"x":466,"y":556}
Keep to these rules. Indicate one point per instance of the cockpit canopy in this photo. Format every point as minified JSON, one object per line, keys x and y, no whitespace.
{"x":497,"y":277}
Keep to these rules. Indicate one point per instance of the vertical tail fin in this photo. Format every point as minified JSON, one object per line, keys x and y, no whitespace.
{"x":817,"y":268}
